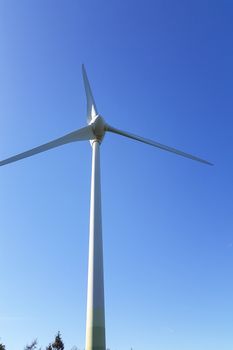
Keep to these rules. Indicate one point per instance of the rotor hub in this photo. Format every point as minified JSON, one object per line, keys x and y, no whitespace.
{"x":98,"y":127}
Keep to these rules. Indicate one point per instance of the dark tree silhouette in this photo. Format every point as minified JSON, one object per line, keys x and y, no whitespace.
{"x":2,"y":347}
{"x":49,"y":347}
{"x":58,"y":343}
{"x":32,"y":346}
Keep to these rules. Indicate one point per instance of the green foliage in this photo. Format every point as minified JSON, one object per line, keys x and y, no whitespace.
{"x":58,"y":343}
{"x":32,"y":346}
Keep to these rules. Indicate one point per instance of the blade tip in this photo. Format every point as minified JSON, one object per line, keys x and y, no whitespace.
{"x":208,"y":163}
{"x":83,"y":68}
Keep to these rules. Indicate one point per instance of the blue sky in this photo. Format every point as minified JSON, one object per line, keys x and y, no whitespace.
{"x":161,"y":69}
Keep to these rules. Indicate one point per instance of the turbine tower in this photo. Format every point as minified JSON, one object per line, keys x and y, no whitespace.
{"x":94,"y":132}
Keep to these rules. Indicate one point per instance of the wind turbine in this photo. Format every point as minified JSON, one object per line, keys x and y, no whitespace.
{"x":94,"y":132}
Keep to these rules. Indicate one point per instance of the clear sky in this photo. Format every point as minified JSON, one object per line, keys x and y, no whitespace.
{"x":161,"y":69}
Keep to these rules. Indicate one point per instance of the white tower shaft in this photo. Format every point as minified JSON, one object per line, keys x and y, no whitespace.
{"x":95,"y":323}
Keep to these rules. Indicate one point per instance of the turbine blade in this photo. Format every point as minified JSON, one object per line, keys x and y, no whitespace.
{"x":156,"y":144}
{"x":91,"y":106}
{"x":85,"y":133}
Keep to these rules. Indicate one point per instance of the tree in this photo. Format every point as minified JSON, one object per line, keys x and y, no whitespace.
{"x":32,"y":346}
{"x":58,"y":343}
{"x":2,"y":347}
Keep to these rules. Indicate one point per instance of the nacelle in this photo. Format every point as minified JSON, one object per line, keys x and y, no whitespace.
{"x":98,"y":127}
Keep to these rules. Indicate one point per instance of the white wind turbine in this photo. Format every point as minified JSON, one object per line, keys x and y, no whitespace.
{"x":94,"y":132}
